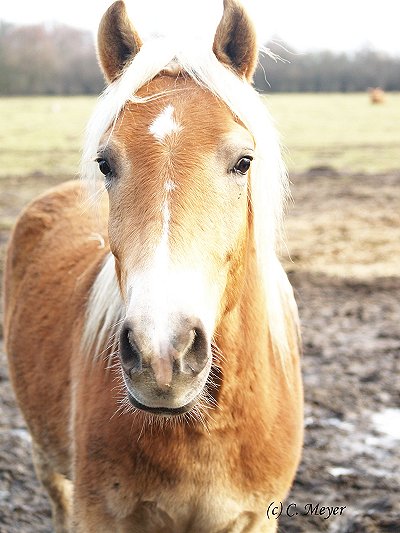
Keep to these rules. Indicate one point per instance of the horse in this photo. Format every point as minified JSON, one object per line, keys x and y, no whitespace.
{"x":376,"y":95}
{"x":151,"y":331}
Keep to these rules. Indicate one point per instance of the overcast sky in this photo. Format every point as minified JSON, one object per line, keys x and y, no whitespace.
{"x":306,"y":24}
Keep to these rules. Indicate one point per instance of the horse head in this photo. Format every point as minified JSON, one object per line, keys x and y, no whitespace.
{"x":177,"y":158}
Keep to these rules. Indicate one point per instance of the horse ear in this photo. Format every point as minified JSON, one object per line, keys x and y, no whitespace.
{"x":235,"y":42}
{"x":117,"y":41}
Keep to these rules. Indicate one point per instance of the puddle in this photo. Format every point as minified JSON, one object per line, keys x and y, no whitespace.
{"x":388,"y":423}
{"x":340,"y":471}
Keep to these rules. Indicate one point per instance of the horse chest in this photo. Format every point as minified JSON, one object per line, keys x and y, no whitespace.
{"x":199,"y":498}
{"x":190,"y":510}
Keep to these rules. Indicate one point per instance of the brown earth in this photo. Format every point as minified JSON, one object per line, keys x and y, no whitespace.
{"x":344,"y":235}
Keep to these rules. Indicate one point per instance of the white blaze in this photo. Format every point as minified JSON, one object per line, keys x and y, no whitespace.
{"x":162,"y":250}
{"x":164,"y":124}
{"x":169,"y":185}
{"x":153,"y":295}
{"x":164,"y":290}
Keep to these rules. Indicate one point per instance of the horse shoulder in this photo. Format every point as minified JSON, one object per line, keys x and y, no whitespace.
{"x":43,"y":232}
{"x":51,"y":261}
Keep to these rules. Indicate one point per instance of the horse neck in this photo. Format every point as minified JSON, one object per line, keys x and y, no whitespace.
{"x":248,"y":364}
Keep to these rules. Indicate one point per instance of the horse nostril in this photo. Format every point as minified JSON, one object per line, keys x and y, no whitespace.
{"x":185,"y":351}
{"x":196,"y":356}
{"x":131,"y":357}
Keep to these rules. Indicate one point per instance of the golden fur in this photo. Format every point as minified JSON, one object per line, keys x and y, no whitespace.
{"x":133,"y":472}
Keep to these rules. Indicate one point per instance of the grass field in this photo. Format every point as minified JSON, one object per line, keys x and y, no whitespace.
{"x":341,"y":131}
{"x":43,"y":136}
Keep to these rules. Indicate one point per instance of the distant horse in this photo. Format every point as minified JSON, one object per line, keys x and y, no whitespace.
{"x":376,"y":95}
{"x":157,"y":363}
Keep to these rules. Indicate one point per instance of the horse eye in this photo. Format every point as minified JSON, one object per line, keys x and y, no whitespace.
{"x":243,"y":165}
{"x":104,"y":167}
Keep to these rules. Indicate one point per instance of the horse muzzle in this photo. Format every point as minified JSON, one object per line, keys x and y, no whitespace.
{"x":165,"y":371}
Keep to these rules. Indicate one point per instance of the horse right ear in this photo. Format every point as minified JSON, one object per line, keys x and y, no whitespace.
{"x":117,"y":41}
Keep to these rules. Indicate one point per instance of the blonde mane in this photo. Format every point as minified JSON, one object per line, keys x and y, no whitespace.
{"x":269,"y":183}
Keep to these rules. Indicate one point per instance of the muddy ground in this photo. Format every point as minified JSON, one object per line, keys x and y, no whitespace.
{"x":344,"y":235}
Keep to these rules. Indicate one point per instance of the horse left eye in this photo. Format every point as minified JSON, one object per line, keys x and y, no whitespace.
{"x":104,"y":167}
{"x":243,"y":165}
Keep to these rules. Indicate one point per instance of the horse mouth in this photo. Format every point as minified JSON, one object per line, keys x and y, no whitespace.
{"x":162,"y":411}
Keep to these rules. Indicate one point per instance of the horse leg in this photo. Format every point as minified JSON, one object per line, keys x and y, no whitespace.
{"x":92,"y":519}
{"x":248,"y":522}
{"x":58,"y":487}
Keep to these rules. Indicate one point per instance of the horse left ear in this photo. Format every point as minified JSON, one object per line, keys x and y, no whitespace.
{"x":235,"y":42}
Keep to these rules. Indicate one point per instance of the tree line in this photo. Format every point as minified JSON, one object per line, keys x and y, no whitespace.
{"x":56,"y":59}
{"x":327,"y":71}
{"x":47,"y":59}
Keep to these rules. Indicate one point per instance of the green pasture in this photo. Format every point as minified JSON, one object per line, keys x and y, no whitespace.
{"x":342,"y":131}
{"x":43,"y":136}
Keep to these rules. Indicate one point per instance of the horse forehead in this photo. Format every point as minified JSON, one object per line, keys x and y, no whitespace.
{"x":179,"y":106}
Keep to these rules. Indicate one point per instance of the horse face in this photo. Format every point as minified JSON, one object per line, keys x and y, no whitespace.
{"x":176,"y":170}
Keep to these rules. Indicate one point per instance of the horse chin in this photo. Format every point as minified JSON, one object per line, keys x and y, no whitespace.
{"x":162,"y":411}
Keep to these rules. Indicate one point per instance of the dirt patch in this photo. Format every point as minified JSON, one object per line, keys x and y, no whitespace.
{"x":24,"y":507}
{"x":350,"y":369}
{"x":345,"y":225}
{"x":350,"y":311}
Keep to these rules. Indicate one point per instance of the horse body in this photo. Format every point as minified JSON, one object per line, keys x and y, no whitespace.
{"x":161,"y":472}
{"x":163,"y":478}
